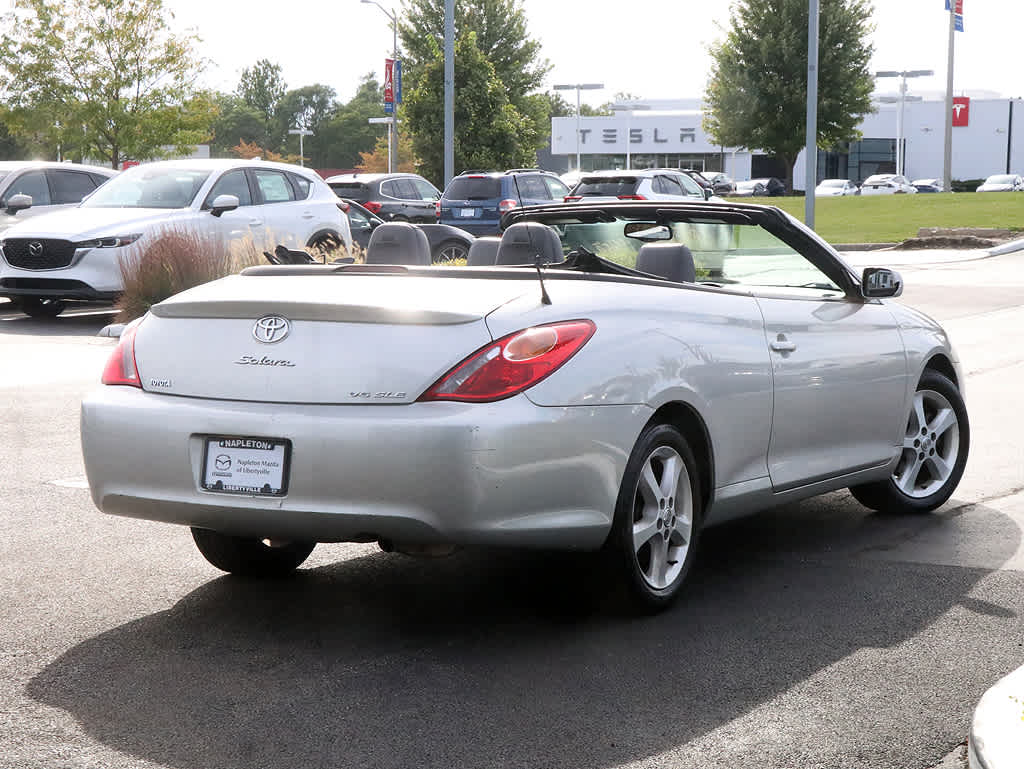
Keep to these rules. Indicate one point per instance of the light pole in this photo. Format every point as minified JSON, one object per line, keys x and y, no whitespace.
{"x":302,"y":132}
{"x":629,"y":108}
{"x":393,"y":128}
{"x":576,"y":87}
{"x":902,"y":99}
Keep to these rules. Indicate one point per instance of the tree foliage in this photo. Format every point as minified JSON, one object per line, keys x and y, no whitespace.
{"x":757,"y":91}
{"x":501,"y":37}
{"x":490,"y":131}
{"x":348,"y":134}
{"x":262,"y":88}
{"x":109,"y":72}
{"x":377,"y":160}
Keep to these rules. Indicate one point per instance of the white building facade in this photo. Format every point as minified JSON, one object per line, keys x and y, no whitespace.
{"x":669,"y":134}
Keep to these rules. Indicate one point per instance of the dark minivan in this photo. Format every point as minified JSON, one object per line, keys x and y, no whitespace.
{"x":475,"y":200}
{"x":393,"y":197}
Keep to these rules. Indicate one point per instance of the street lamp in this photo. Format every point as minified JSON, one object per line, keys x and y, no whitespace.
{"x":570,"y":87}
{"x":302,"y":132}
{"x":393,"y":126}
{"x":902,"y":99}
{"x":629,"y":108}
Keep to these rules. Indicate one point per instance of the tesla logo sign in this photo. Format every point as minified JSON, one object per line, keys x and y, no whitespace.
{"x":961,"y":111}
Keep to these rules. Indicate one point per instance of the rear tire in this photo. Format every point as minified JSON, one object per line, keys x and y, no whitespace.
{"x":935,"y":447}
{"x":450,"y":251}
{"x":658,"y":517}
{"x":248,"y":556}
{"x":36,"y":307}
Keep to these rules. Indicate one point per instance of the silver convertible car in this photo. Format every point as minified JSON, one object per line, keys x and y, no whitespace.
{"x":610,"y":377}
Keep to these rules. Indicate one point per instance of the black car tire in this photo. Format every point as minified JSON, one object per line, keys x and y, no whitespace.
{"x":659,"y":447}
{"x":326,"y":243}
{"x":248,"y":556}
{"x":886,"y":496}
{"x":36,"y":307}
{"x":450,"y":251}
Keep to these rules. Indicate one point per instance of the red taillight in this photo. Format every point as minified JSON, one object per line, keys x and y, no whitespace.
{"x":512,"y":364}
{"x":572,"y":198}
{"x":507,"y":205}
{"x":632,"y":197}
{"x":343,"y":206}
{"x":121,"y":368}
{"x":437,"y":209}
{"x":373,"y":206}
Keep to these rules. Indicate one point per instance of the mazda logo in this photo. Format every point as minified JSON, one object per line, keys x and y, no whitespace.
{"x":270,"y":329}
{"x":35,"y":248}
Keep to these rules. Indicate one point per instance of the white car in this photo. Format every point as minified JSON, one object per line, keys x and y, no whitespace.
{"x":887,"y":184}
{"x":647,"y":184}
{"x":835,"y":188}
{"x":1002,"y":183}
{"x":32,"y":187}
{"x":75,"y":254}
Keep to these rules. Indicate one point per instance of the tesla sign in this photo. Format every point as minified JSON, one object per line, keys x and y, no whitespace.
{"x":961,"y":111}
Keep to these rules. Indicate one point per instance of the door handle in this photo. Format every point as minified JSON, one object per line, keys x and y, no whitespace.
{"x":256,"y":222}
{"x":781,"y":344}
{"x":307,"y":215}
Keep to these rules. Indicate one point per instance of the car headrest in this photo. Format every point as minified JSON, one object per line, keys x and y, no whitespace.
{"x":668,"y":261}
{"x":522,"y":242}
{"x":483,"y":251}
{"x":398,"y":243}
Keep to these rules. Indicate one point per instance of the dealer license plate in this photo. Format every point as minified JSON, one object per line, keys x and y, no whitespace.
{"x":246,"y":465}
{"x":467,"y":212}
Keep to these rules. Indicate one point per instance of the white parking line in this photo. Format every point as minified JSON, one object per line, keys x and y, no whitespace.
{"x":72,"y":483}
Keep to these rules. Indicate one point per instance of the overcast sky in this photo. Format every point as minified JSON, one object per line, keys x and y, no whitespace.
{"x":654,"y":49}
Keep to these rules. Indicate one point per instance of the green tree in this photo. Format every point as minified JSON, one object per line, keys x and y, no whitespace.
{"x":309,"y":108}
{"x":491,"y":132}
{"x":109,"y":73}
{"x":236,"y":122}
{"x":348,"y":134}
{"x":757,"y":91}
{"x":501,"y":37}
{"x":262,"y":87}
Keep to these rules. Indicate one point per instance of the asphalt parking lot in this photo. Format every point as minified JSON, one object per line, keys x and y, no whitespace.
{"x":814,"y":635}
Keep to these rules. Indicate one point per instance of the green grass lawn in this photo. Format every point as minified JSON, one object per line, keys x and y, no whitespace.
{"x":892,"y":218}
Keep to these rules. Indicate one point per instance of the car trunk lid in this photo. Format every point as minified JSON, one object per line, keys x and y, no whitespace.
{"x":380,"y":339}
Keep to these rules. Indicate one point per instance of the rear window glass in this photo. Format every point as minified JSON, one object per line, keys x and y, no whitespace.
{"x":352,"y":190}
{"x":473,"y":188}
{"x":606,"y":187}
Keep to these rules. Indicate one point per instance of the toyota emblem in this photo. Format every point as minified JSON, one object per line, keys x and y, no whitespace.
{"x":270,"y":329}
{"x":35,"y":248}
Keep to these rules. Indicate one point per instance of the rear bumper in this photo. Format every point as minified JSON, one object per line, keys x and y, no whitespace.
{"x":507,"y":473}
{"x":477,"y":228}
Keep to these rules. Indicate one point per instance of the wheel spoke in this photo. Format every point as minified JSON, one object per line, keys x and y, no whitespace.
{"x":643,"y":530}
{"x":908,"y":479}
{"x":943,"y":421}
{"x":938,"y":467}
{"x":919,"y":412}
{"x":673,"y":466}
{"x":659,"y":562}
{"x":650,"y":489}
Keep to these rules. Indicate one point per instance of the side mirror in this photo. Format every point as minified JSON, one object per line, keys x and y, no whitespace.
{"x":708,"y":193}
{"x":880,"y":282}
{"x":17,"y":203}
{"x":223,"y":203}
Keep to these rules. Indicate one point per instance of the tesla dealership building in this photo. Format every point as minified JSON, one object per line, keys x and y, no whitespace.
{"x":988,"y":138}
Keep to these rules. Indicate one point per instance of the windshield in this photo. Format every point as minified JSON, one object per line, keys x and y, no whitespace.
{"x":834,"y":183}
{"x":473,"y":188}
{"x":999,"y":179}
{"x":878,"y":179}
{"x":724,"y":251}
{"x":150,"y":187}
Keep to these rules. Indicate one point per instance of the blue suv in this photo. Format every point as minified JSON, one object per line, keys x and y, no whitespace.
{"x":475,"y":200}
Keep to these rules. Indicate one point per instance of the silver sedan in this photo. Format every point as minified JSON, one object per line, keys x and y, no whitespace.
{"x":611,"y":377}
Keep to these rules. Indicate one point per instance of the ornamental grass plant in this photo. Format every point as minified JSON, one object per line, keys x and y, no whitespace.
{"x":156,"y":268}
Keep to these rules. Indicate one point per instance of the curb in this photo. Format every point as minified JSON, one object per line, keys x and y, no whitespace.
{"x":997,"y":730}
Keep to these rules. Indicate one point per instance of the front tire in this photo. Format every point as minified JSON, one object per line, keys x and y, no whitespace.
{"x":36,"y":307}
{"x":935,"y":447}
{"x":657,"y":517}
{"x":249,"y":556}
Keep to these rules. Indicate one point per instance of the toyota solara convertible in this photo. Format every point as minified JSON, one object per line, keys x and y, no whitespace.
{"x":610,"y":377}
